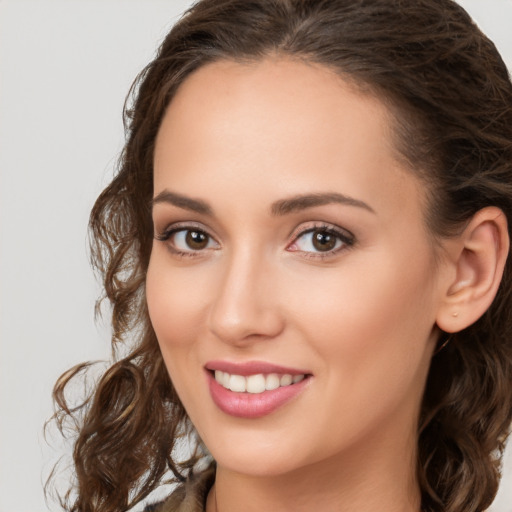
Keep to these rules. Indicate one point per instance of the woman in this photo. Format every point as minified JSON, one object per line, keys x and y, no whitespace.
{"x":305,"y":249}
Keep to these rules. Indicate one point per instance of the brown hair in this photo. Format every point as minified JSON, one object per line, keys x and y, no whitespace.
{"x":452,"y":99}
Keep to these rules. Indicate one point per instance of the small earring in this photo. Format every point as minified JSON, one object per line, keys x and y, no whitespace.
{"x":442,"y":346}
{"x":455,"y":313}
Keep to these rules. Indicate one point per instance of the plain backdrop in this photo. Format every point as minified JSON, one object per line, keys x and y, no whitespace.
{"x":65,"y":68}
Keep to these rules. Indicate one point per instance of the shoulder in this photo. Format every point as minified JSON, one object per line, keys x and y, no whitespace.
{"x":189,"y":496}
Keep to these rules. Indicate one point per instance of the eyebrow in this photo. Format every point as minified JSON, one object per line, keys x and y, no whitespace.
{"x":302,"y":202}
{"x":278,"y":208}
{"x":187,"y":203}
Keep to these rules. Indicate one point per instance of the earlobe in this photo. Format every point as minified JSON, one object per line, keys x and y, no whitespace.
{"x":478,"y":256}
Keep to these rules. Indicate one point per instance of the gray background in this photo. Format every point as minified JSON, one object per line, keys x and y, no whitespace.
{"x":65,"y":67}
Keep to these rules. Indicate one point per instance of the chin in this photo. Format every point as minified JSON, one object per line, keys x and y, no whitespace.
{"x":250,"y":464}
{"x":260,"y":455}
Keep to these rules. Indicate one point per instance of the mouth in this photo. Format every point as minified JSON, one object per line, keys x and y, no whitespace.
{"x":253,"y":389}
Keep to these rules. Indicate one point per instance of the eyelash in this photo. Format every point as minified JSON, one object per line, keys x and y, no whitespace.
{"x":346,"y":238}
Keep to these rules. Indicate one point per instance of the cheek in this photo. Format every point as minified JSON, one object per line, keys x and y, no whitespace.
{"x":174,"y":298}
{"x":370,"y":322}
{"x":369,"y":332}
{"x":175,"y":308}
{"x":378,"y":294}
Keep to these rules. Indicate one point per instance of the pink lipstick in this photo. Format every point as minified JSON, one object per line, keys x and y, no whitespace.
{"x":253,"y":389}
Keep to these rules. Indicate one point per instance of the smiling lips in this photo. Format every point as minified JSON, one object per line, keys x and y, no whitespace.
{"x":254,"y":389}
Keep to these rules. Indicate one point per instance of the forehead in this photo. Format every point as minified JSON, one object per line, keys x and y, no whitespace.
{"x":282,"y":125}
{"x":280,"y":99}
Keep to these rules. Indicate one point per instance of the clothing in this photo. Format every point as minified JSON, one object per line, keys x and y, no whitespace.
{"x":189,"y":496}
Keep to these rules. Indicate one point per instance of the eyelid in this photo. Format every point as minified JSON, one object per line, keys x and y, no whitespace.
{"x":319,"y":225}
{"x":178,"y":226}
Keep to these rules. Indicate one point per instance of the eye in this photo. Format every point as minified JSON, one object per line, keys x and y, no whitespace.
{"x":322,"y":239}
{"x":187,"y":240}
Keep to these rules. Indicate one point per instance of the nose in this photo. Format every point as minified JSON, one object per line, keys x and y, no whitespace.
{"x":245,"y":307}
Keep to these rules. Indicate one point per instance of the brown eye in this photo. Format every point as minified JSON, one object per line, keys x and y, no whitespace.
{"x":188,"y":240}
{"x":196,"y":240}
{"x":323,"y":240}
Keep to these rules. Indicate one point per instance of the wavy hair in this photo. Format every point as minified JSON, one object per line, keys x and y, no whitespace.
{"x":451,"y":99}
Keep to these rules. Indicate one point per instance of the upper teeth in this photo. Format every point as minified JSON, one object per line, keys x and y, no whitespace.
{"x":255,"y":383}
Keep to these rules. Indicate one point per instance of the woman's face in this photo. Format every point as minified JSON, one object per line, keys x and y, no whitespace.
{"x":290,"y":246}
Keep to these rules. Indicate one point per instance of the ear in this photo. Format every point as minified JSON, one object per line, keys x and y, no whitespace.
{"x":476,"y":259}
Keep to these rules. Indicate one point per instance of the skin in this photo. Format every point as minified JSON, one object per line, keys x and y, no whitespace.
{"x":361,"y":320}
